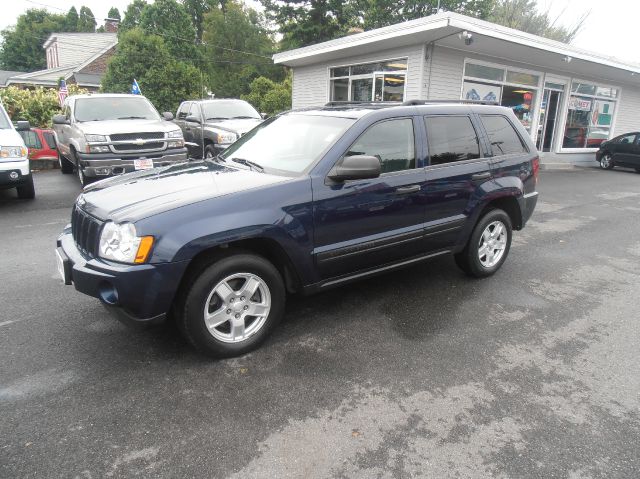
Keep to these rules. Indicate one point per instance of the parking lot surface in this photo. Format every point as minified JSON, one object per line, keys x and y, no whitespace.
{"x":420,"y":373}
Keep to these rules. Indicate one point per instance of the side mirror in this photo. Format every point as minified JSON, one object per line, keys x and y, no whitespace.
{"x":167,"y":115}
{"x":60,"y":120}
{"x":357,"y":167}
{"x":22,"y":125}
{"x":193,"y":119}
{"x":264,"y":115}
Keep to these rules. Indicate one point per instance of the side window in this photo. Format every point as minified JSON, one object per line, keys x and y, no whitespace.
{"x":66,"y":109}
{"x":391,"y":141}
{"x":31,"y":139}
{"x":195,"y":110}
{"x":50,"y":139}
{"x":451,"y":138}
{"x":627,"y":139}
{"x":503,"y":137}
{"x":182,"y":111}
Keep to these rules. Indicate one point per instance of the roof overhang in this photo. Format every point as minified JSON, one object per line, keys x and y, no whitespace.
{"x":488,"y":39}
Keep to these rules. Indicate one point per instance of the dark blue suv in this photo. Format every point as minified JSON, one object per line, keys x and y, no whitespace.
{"x":307,"y":200}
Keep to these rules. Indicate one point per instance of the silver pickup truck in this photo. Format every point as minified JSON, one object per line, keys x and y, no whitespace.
{"x":101,"y":135}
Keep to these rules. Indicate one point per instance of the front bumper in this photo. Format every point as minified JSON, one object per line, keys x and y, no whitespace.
{"x":108,"y":164}
{"x":135,"y":293}
{"x":14,"y":173}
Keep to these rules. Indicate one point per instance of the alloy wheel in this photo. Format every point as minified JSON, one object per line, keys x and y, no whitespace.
{"x":492,"y":244}
{"x":605,"y":162}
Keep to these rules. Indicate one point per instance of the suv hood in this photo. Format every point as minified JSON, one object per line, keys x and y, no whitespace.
{"x":239,"y":126}
{"x":138,"y":195}
{"x":109,"y":127}
{"x":10,"y":137}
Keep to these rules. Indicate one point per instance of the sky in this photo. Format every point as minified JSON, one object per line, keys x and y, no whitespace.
{"x":611,"y":29}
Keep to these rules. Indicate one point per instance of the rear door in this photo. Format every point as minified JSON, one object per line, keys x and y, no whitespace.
{"x":456,"y":168}
{"x":361,"y":224}
{"x":625,"y":150}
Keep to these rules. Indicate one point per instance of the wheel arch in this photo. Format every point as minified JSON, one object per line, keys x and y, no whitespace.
{"x":510,"y":205}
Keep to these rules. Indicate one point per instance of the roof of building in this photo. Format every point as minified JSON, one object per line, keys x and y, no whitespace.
{"x":48,"y":77}
{"x":77,"y":48}
{"x":490,"y":40}
{"x":5,"y":75}
{"x":88,"y":79}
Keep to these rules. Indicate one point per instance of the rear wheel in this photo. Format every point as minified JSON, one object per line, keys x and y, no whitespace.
{"x":488,"y":245}
{"x":232,"y":305}
{"x":606,"y":161}
{"x":66,"y":167}
{"x":27,"y":191}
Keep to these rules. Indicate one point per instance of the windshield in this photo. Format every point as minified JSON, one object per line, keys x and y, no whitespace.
{"x":4,"y":119}
{"x":290,"y":143}
{"x":114,"y":108}
{"x":223,"y":109}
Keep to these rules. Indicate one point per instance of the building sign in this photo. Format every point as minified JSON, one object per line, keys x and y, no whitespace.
{"x":481,"y":91}
{"x":579,"y":104}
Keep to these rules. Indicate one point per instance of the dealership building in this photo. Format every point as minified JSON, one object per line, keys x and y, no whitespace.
{"x":568,"y":99}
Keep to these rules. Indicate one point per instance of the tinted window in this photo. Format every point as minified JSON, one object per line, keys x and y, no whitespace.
{"x":627,"y":139}
{"x":224,"y":109}
{"x":451,"y":138}
{"x":392,"y":142}
{"x":503,"y":137}
{"x":31,"y":139}
{"x":182,"y":111}
{"x":50,"y":139}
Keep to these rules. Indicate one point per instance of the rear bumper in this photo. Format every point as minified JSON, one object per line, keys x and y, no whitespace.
{"x":527,"y":205}
{"x":107,"y":164}
{"x":134,"y":293}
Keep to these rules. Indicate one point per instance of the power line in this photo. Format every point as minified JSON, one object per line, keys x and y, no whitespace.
{"x":192,"y":41}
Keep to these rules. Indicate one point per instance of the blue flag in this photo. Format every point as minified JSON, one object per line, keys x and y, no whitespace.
{"x":135,"y":88}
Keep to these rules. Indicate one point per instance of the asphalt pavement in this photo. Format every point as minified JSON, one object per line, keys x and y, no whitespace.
{"x":532,"y":373}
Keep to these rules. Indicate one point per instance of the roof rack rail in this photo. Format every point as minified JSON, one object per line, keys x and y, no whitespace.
{"x":464,"y":102}
{"x":361,"y":103}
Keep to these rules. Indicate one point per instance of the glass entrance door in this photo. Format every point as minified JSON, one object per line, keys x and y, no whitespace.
{"x":549,"y":112}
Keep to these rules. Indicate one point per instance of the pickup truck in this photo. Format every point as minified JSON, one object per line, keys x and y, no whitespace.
{"x":308,"y":200}
{"x":210,"y":126}
{"x":15,"y":171}
{"x":101,"y":135}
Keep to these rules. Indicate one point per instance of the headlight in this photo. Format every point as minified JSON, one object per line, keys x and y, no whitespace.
{"x":174,"y":134}
{"x":13,"y":152}
{"x":98,"y":149}
{"x":95,"y":138}
{"x":119,"y":242}
{"x":224,"y":137}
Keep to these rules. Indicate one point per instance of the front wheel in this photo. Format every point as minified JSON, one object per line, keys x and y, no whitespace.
{"x":210,"y":151}
{"x":488,"y":245}
{"x":232,"y":306}
{"x":606,"y":162}
{"x":66,"y":167}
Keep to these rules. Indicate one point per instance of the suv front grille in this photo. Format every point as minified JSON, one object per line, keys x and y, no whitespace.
{"x":153,"y":135}
{"x":85,"y":230}
{"x":133,"y":147}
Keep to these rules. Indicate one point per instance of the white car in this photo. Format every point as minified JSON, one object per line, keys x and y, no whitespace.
{"x":14,"y":159}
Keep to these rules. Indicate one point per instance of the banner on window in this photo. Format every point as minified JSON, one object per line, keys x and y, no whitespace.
{"x":579,"y":104}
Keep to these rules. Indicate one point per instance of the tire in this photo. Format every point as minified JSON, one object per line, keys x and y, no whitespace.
{"x":606,"y":162}
{"x":27,"y":191}
{"x":210,"y":151}
{"x":84,"y":181}
{"x":219,"y":288}
{"x":66,"y":167}
{"x":470,"y":259}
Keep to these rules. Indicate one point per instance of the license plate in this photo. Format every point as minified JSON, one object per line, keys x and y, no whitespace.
{"x":60,"y":266}
{"x":143,"y":164}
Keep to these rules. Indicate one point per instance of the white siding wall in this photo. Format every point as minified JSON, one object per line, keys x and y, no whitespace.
{"x":628,"y":118}
{"x":311,"y":83}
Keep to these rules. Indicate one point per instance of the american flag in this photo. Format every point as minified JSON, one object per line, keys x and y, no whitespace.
{"x":62,"y":92}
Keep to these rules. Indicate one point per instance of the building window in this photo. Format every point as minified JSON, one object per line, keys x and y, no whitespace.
{"x":515,"y":89}
{"x":379,"y":81}
{"x":589,"y":116}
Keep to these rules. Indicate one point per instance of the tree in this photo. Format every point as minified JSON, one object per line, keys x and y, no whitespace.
{"x":71,"y":20}
{"x":196,"y":10}
{"x":169,"y":19}
{"x":86,"y":20}
{"x":22,"y":44}
{"x":114,"y":13}
{"x":132,"y":16}
{"x":306,"y":22}
{"x":268,"y":96}
{"x":163,"y":79}
{"x":237,"y":49}
{"x":524,"y":15}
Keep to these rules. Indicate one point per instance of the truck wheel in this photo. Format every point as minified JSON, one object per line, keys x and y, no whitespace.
{"x":488,"y":245}
{"x":27,"y":191}
{"x":210,"y":152}
{"x":84,"y":181}
{"x":232,"y":305}
{"x":66,"y":167}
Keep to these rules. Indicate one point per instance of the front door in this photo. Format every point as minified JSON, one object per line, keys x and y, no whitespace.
{"x":549,"y":113}
{"x":361,"y":224}
{"x":625,"y":150}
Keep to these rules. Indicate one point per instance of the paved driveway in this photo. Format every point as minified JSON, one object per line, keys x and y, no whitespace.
{"x":421,"y":373}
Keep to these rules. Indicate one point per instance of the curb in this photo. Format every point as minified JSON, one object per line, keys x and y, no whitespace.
{"x":37,"y":165}
{"x":557,"y":166}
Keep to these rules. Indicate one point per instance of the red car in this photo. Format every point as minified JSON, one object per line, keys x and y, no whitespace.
{"x":41,"y":144}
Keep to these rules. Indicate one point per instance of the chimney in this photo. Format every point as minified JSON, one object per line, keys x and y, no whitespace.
{"x":111,"y":25}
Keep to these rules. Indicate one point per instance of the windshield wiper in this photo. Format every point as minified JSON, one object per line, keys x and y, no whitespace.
{"x":217,"y":118}
{"x":132,"y":118}
{"x":250,"y":164}
{"x":243,"y":117}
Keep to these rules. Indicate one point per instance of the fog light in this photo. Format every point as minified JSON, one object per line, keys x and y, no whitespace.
{"x":14,"y":175}
{"x":102,"y":171}
{"x":108,"y":293}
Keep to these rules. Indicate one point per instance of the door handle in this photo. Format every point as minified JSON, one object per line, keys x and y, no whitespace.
{"x":481,"y":176}
{"x":405,"y":190}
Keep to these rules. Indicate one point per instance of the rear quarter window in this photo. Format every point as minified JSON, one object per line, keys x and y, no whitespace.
{"x":451,"y":139}
{"x":50,"y":139}
{"x":503,"y":137}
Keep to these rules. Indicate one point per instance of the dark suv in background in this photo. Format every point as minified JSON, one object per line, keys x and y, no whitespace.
{"x":308,"y":200}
